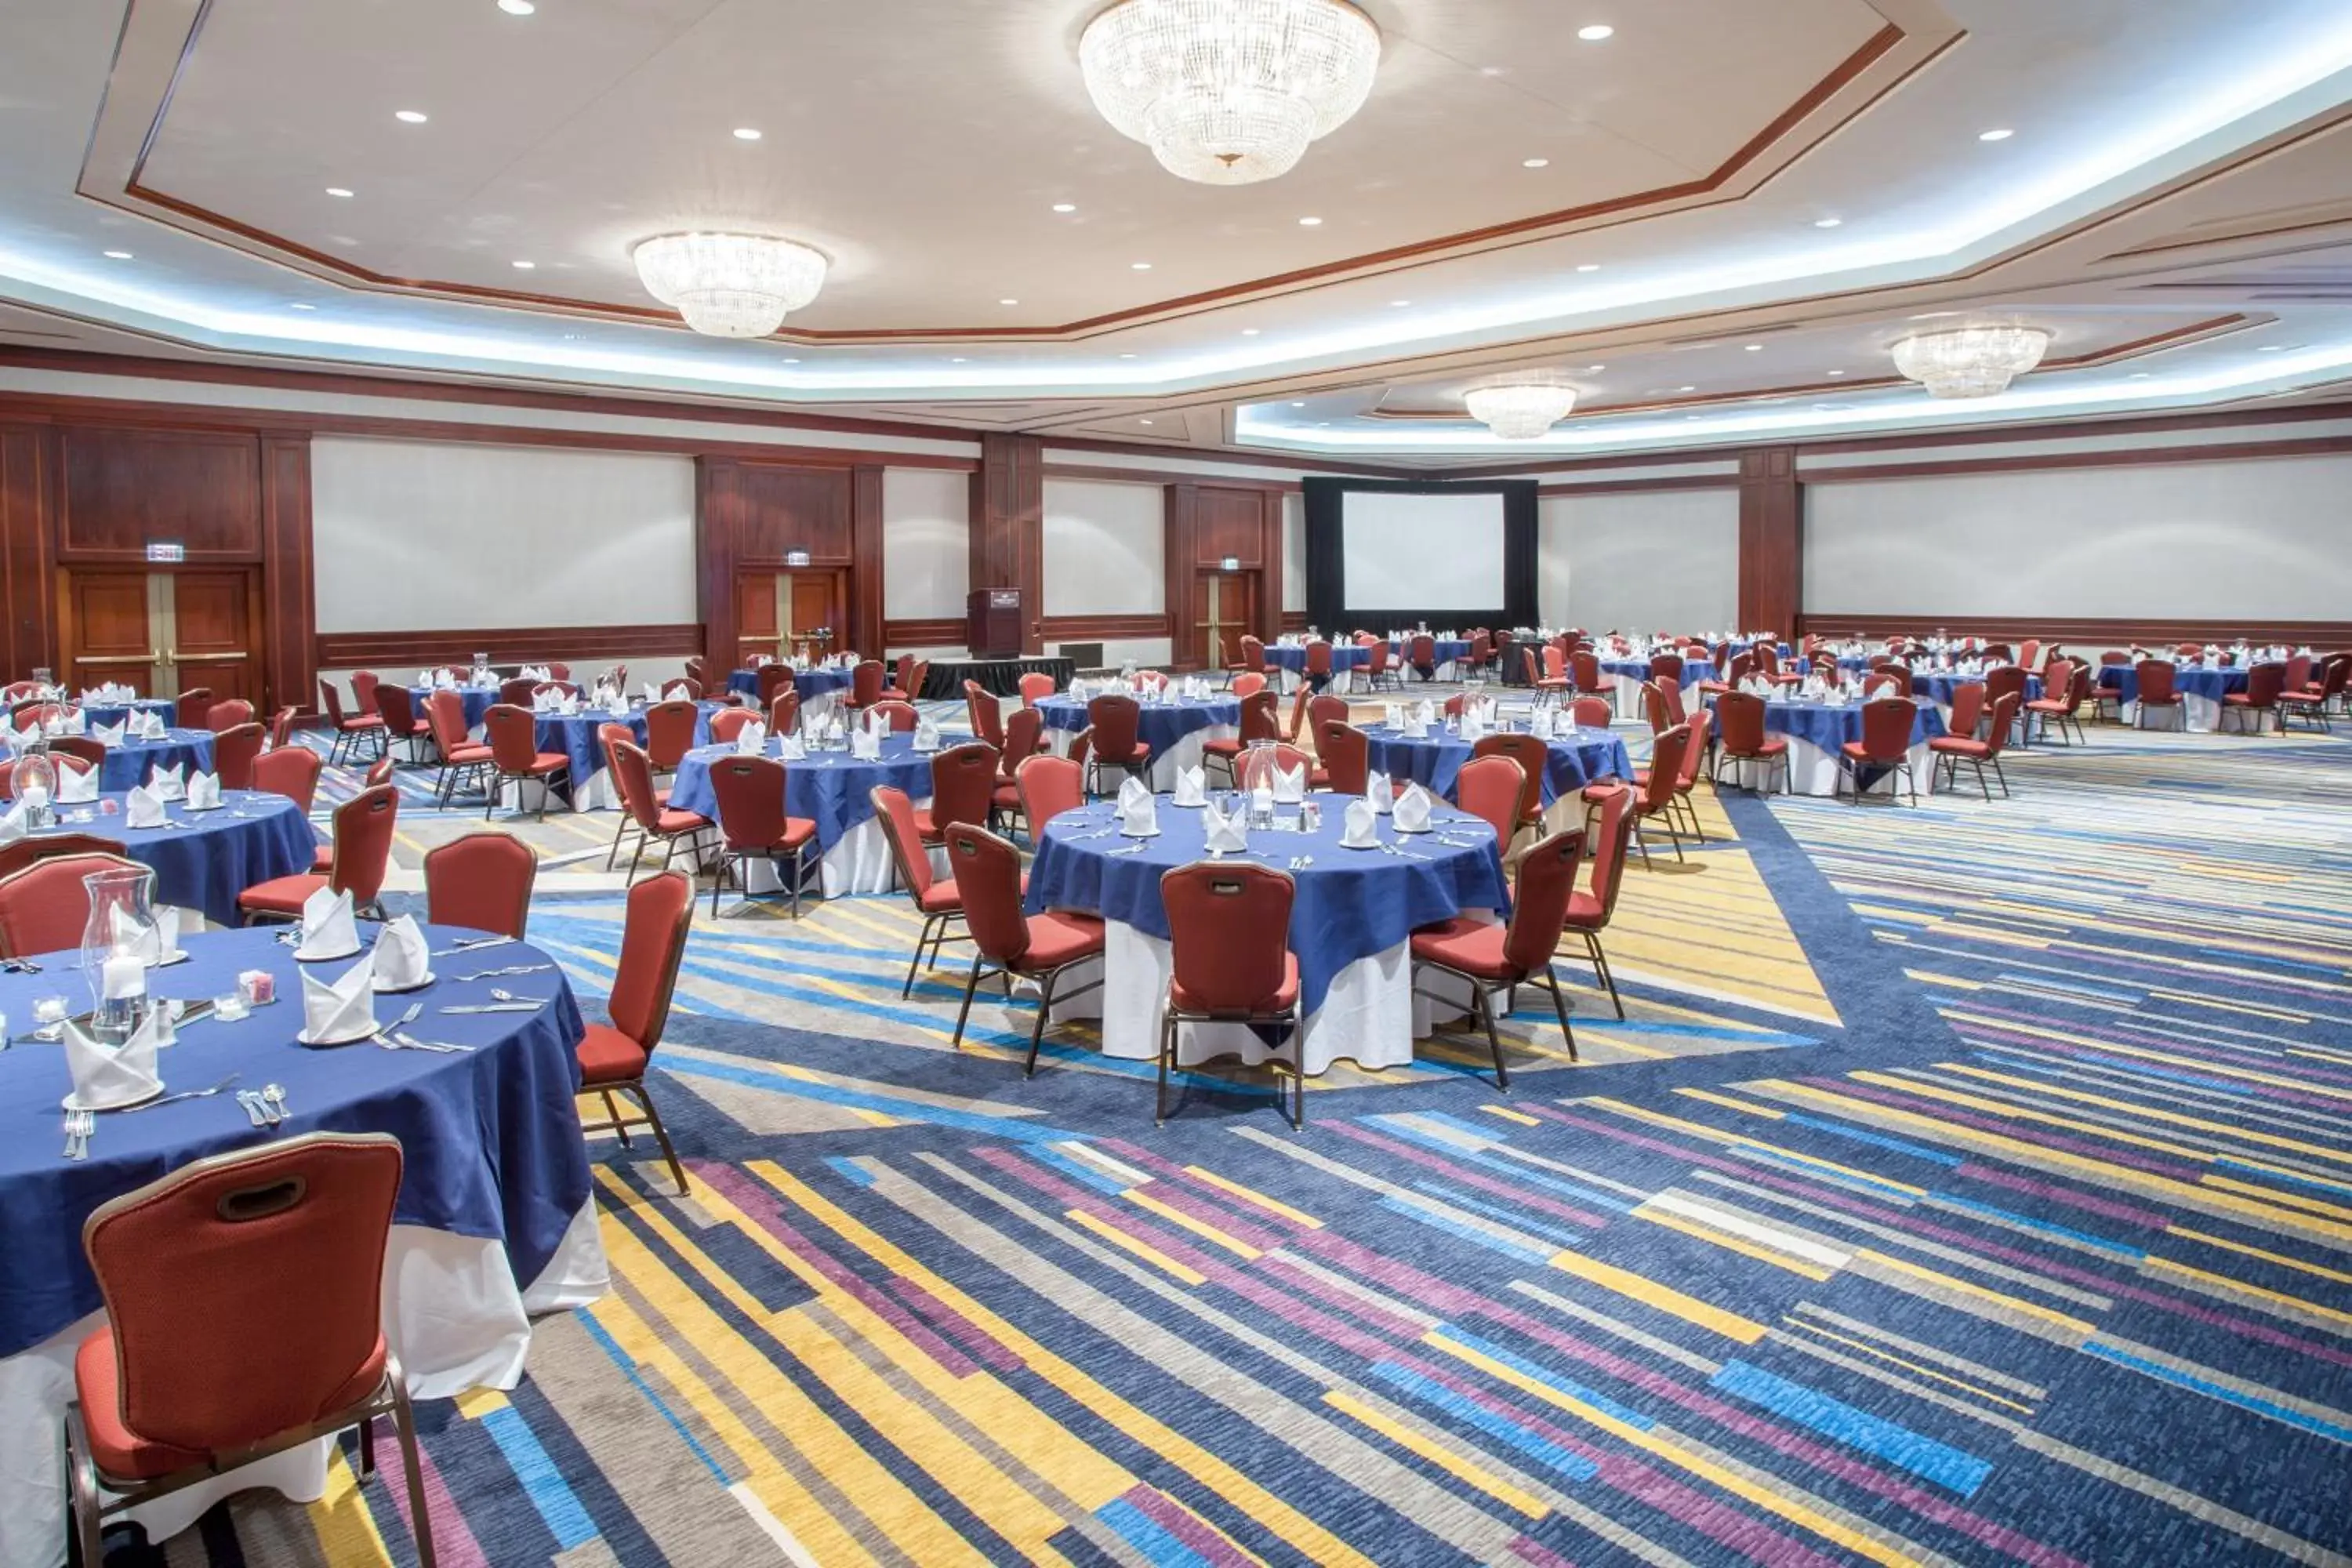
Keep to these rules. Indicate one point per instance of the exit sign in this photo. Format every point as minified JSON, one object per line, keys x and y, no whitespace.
{"x":166,"y":550}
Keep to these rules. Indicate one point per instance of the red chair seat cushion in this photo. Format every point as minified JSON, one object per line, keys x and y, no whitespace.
{"x":1466,"y":946}
{"x":2050,"y":705}
{"x":1960,"y":746}
{"x":942,"y":899}
{"x":1770,"y":748}
{"x":671,"y":823}
{"x":1223,"y":747}
{"x":324,"y":860}
{"x":364,"y":721}
{"x":1855,"y":750}
{"x":2299,"y":697}
{"x":1056,"y":938}
{"x":465,"y":756}
{"x":1006,"y":797}
{"x":608,"y":1055}
{"x":121,"y":1453}
{"x":1142,"y":751}
{"x":281,"y":895}
{"x":1585,"y":912}
{"x":1281,"y":1000}
{"x":541,"y":764}
{"x":798,"y":830}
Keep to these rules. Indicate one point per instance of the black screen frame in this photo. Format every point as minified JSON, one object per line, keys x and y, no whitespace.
{"x":1329,"y":609}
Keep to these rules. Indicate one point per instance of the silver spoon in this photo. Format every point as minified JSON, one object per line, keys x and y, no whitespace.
{"x":510,"y":996}
{"x":187,"y":1094}
{"x":274,"y":1096}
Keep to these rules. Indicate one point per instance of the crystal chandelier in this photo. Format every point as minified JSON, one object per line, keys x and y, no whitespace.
{"x":1229,"y":92}
{"x":1970,"y":361}
{"x":730,"y":285}
{"x":1520,"y":412}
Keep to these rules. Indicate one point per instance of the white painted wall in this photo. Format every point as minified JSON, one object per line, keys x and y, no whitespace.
{"x":927,"y":544}
{"x":2264,"y":539}
{"x":1646,"y":561}
{"x":1104,"y":550}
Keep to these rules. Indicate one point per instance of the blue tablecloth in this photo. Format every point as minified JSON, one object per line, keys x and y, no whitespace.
{"x":2191,"y":680}
{"x":1344,"y":655}
{"x":828,"y":787}
{"x":1820,"y":725}
{"x":1638,"y":669}
{"x":216,"y":856}
{"x":491,"y":1138}
{"x":1937,"y":687}
{"x":1739,"y":646}
{"x":1351,"y":903}
{"x":97,"y":713}
{"x":1161,"y":723}
{"x":1584,"y":757}
{"x":575,"y":735}
{"x":1443,"y":650}
{"x":128,"y":764}
{"x":810,"y":683}
{"x":478,"y":701}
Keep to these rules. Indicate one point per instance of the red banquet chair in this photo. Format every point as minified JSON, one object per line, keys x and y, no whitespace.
{"x":464,"y":761}
{"x":281,"y":725}
{"x":356,"y":863}
{"x":1489,"y":957}
{"x":1949,"y":751}
{"x":936,"y":898}
{"x":292,"y":772}
{"x":1533,"y":758}
{"x":754,"y":824}
{"x":192,"y":708}
{"x":44,"y":907}
{"x":1036,"y":686}
{"x":987,"y":714}
{"x":1042,"y":948}
{"x":1230,"y":960}
{"x":784,"y":711}
{"x":903,"y":685}
{"x":1345,"y":755}
{"x":194,"y":1270}
{"x":235,"y":751}
{"x":1741,"y":737}
{"x":2066,"y":687}
{"x":866,"y":684}
{"x":227,"y":714}
{"x":1257,"y":723}
{"x":614,"y":1056}
{"x":1656,"y":785}
{"x":963,"y":789}
{"x":645,"y":810}
{"x":518,"y":690}
{"x":349,"y":731}
{"x":1592,"y":712}
{"x":1610,"y":823}
{"x":2260,"y":700}
{"x":1113,"y":717}
{"x":1259,"y":767}
{"x":729,"y":723}
{"x":1492,"y":788}
{"x":899,"y":717}
{"x":1422,"y":654}
{"x":2157,"y":691}
{"x":1885,"y":744}
{"x":670,"y":734}
{"x":2002,"y":680}
{"x":771,"y":679}
{"x":1048,"y":787}
{"x":1024,"y":732}
{"x":480,"y":880}
{"x":516,"y":760}
{"x":1317,"y":673}
{"x":398,"y":708}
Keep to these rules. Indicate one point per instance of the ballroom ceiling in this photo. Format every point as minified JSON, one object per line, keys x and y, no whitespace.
{"x":1714,"y":222}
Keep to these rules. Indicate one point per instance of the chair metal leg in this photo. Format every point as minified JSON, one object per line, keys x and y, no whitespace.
{"x":83,"y":1499}
{"x":971,"y":985}
{"x":1600,"y":968}
{"x":1559,"y":1010}
{"x":1167,"y":1050}
{"x":1037,"y":1029}
{"x":613,"y":1109}
{"x":661,"y":1134}
{"x":1486,"y":1006}
{"x":921,"y":937}
{"x":404,"y":1420}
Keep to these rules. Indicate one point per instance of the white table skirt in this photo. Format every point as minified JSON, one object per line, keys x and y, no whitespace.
{"x":2198,"y":715}
{"x":598,"y":794}
{"x":1370,"y":1015}
{"x":453,"y":1313}
{"x":1161,"y":770}
{"x":1812,"y":771}
{"x":1343,"y":681}
{"x":858,"y":862}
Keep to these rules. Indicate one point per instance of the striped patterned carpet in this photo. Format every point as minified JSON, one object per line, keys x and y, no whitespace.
{"x":1970,"y":1184}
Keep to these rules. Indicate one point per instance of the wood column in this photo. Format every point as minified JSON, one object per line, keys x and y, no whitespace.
{"x":1008,"y":527}
{"x":1771,"y":541}
{"x":718,"y":535}
{"x":289,"y":664}
{"x":865,"y":556}
{"x":27,"y":555}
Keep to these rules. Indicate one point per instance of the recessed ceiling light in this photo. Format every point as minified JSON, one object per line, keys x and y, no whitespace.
{"x":1140,"y":266}
{"x":1008,"y":301}
{"x":118,"y":256}
{"x":747,"y":133}
{"x":517,"y":7}
{"x":1827,"y":222}
{"x":525,"y":266}
{"x":1127,"y":356}
{"x":1066,"y":207}
{"x":1399,"y":304}
{"x":1143,"y":422}
{"x":1535,"y":163}
{"x":1589,"y":267}
{"x":1837,"y":373}
{"x":960,"y":358}
{"x":1249,"y":331}
{"x":1594,"y":369}
{"x":1828,"y":407}
{"x":1298,"y":406}
{"x":1690,"y":417}
{"x":1595,"y":33}
{"x":1934,"y":315}
{"x":1685,"y":389}
{"x":408,"y":116}
{"x":792,"y":361}
{"x":2141,"y":374}
{"x":339,"y":190}
{"x":2265,"y":349}
{"x":1756,"y":348}
{"x":1999,"y":133}
{"x":1310,"y":223}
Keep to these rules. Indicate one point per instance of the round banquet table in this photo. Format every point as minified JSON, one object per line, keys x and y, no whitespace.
{"x":830,"y":788}
{"x":1632,"y":672}
{"x":2201,"y":687}
{"x":1351,"y":927}
{"x":1816,"y":730}
{"x":1345,"y":659}
{"x":494,"y":1220}
{"x":1175,"y":730}
{"x":1444,"y":653}
{"x":820,"y":689}
{"x":205,"y":859}
{"x":1576,"y":759}
{"x":478,"y":701}
{"x":575,"y":735}
{"x":97,"y":713}
{"x":130,"y":764}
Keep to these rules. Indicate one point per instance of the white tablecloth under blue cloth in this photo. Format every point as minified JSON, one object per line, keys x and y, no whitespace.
{"x":1351,"y":927}
{"x":1817,"y":731}
{"x":1347,"y":660}
{"x":1176,"y":731}
{"x":832,"y":789}
{"x":1577,"y":759}
{"x":2201,"y":691}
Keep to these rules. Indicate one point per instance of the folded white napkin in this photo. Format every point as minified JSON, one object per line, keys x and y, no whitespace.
{"x":204,"y":790}
{"x":927,"y":735}
{"x":877,"y":722}
{"x":1290,"y":785}
{"x":77,"y":785}
{"x":342,"y":1011}
{"x":143,"y":808}
{"x":1392,"y":716}
{"x":401,"y":958}
{"x":12,"y":822}
{"x":676,"y":693}
{"x":110,"y":734}
{"x":1380,"y":795}
{"x":1138,"y":813}
{"x":167,"y":782}
{"x":1225,"y":832}
{"x":1539,"y":724}
{"x":792,"y":749}
{"x":167,"y":931}
{"x":152,"y":726}
{"x":1191,"y":787}
{"x":1473,"y":725}
{"x":751,"y":739}
{"x":443,"y":680}
{"x":1834,"y":697}
{"x":653,"y":693}
{"x":1362,"y":831}
{"x":1412,"y":808}
{"x":867,"y":745}
{"x":328,"y":929}
{"x":106,"y":1076}
{"x":1415,"y":727}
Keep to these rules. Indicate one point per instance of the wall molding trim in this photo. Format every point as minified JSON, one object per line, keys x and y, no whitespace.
{"x":2083,"y":631}
{"x":509,"y":644}
{"x":1087,"y":628}
{"x":942,"y":632}
{"x":2127,"y":457}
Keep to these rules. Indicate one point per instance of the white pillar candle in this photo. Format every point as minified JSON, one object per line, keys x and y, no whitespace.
{"x":124,"y":976}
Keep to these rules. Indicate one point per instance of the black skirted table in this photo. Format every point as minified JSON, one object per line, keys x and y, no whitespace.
{"x":1001,"y":677}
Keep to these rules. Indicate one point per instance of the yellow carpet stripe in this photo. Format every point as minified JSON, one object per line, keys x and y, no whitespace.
{"x":1721,"y":1136}
{"x":1144,"y":1250}
{"x":1251,"y":1196}
{"x":2008,"y":1111}
{"x":1199,"y":1227}
{"x":2279,"y":1257}
{"x":2162,"y":1059}
{"x":1664,"y":1298}
{"x":1867,"y":1348}
{"x":1725,"y":1101}
{"x":1747,"y":1248}
{"x":1961,"y":1287}
{"x":2240,"y":1288}
{"x":2155,"y":1113}
{"x":1508,"y":1114}
{"x":347,"y":1531}
{"x":1444,"y":1459}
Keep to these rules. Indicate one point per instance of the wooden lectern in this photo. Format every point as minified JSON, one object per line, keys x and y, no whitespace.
{"x":992,"y":624}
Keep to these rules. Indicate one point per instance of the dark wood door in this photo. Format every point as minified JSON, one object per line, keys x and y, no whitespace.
{"x":814,"y":605}
{"x":110,"y":631}
{"x":217,"y":634}
{"x":756,"y":632}
{"x":1228,"y":605}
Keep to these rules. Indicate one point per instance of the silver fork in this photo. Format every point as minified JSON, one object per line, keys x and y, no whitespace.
{"x":497,"y":994}
{"x":410,"y":1042}
{"x":510,"y":969}
{"x":384,"y":1032}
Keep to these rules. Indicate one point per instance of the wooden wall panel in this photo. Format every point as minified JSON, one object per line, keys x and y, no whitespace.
{"x":289,"y":667}
{"x":119,"y":490}
{"x":1204,"y":524}
{"x":864,"y":631}
{"x":1008,"y":526}
{"x":1771,"y":541}
{"x":784,"y":509}
{"x":1231,"y":523}
{"x":29,"y":638}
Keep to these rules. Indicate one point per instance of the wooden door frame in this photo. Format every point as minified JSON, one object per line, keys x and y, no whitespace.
{"x":1210,"y":656}
{"x":256,"y":623}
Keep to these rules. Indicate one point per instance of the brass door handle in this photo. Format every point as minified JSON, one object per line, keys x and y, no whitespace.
{"x":118,"y":658}
{"x":218,"y":653}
